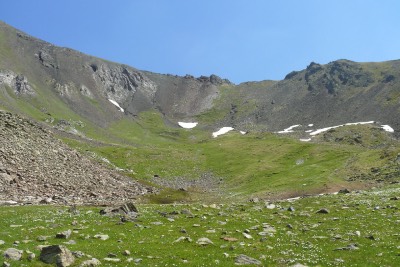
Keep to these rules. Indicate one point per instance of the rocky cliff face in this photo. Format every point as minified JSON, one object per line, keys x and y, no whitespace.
{"x":35,"y":167}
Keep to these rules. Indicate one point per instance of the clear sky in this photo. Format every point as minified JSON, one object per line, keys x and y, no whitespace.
{"x":241,"y":40}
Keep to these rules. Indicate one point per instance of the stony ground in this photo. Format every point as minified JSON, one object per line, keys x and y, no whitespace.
{"x":354,"y":229}
{"x":36,"y":167}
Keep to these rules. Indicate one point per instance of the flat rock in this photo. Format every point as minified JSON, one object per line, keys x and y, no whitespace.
{"x":101,"y":237}
{"x":112,"y":259}
{"x":204,"y":241}
{"x":90,"y":263}
{"x":323,"y":211}
{"x":183,"y":238}
{"x":246,"y":260}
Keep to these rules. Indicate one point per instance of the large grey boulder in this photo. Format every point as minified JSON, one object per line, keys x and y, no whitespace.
{"x":58,"y":255}
{"x":13,"y":254}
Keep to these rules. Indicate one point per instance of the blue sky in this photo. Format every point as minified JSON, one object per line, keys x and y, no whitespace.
{"x":242,"y":40}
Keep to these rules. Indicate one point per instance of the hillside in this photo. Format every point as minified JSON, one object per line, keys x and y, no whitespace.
{"x":131,"y":117}
{"x":35,"y":167}
{"x":46,"y":77}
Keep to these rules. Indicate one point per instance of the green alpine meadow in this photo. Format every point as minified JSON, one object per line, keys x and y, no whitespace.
{"x":103,"y":164}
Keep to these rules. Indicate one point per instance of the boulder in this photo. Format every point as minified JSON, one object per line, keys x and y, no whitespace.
{"x":127,"y":211}
{"x":13,"y":254}
{"x":56,"y":254}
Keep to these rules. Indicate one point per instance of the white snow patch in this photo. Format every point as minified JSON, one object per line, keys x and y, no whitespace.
{"x":305,"y":139}
{"x":310,"y":125}
{"x":290,"y":129}
{"x":116,"y":104}
{"x":387,"y":128}
{"x":222,"y":131}
{"x":187,"y":125}
{"x":308,"y":131}
{"x":243,"y":132}
{"x":333,"y":127}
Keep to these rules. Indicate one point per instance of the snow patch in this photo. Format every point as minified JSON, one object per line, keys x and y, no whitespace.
{"x":290,"y":129}
{"x":333,"y":127}
{"x":387,"y":128}
{"x":305,"y":139}
{"x":311,"y":125}
{"x":187,"y":125}
{"x":222,"y":131}
{"x":243,"y":132}
{"x":116,"y":104}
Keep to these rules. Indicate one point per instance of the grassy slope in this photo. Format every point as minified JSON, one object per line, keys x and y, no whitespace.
{"x":367,"y":219}
{"x":255,"y":164}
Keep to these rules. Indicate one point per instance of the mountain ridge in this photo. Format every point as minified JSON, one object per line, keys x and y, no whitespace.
{"x":324,"y":95}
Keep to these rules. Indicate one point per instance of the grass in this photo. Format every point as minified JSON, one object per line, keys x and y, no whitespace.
{"x":258,"y":164}
{"x":367,"y":219}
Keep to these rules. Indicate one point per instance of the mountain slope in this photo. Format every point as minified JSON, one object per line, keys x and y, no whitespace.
{"x":325,"y":95}
{"x":131,"y":118}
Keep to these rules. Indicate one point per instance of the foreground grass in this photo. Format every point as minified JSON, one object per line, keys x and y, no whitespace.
{"x":361,"y":229}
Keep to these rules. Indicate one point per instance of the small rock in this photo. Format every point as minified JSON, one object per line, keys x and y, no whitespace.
{"x":90,"y":263}
{"x":349,"y":247}
{"x":204,"y":241}
{"x":46,"y":200}
{"x":291,"y":208}
{"x":13,"y":254}
{"x":270,"y":206}
{"x":183,"y":238}
{"x":2,"y":242}
{"x":112,"y":259}
{"x":112,"y":255}
{"x":126,"y":253}
{"x":31,"y":256}
{"x":41,"y":238}
{"x":246,"y":260}
{"x":344,"y":191}
{"x":64,"y":235}
{"x":101,"y":237}
{"x":370,"y":237}
{"x":186,"y":212}
{"x":78,"y":254}
{"x":323,"y":211}
{"x":247,"y":236}
{"x":6,"y":264}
